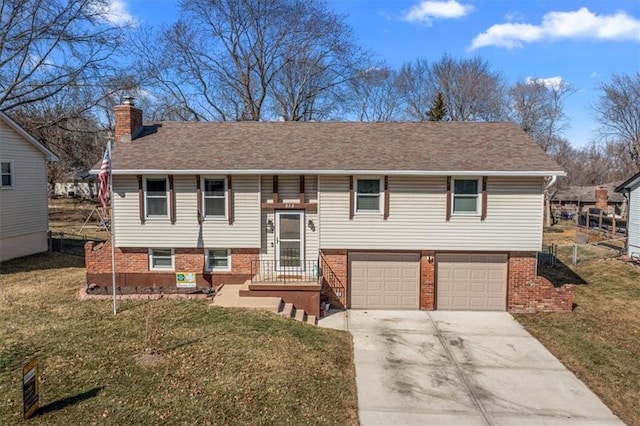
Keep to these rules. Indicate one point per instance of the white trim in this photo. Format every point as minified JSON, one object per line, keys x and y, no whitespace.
{"x":204,"y":197}
{"x":146,"y":206}
{"x":151,"y":257}
{"x":11,"y":173}
{"x":22,"y":132}
{"x":380,"y":196}
{"x":206,"y":260}
{"x":541,"y":173}
{"x":478,"y":196}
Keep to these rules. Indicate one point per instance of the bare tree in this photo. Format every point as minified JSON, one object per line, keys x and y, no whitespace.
{"x":537,"y":106}
{"x":251,"y":59}
{"x":618,"y":113}
{"x":471,"y":90}
{"x":373,"y":94}
{"x":47,"y":46}
{"x":416,"y":88}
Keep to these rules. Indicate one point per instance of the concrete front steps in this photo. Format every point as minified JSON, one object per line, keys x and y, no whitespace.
{"x":229,"y":297}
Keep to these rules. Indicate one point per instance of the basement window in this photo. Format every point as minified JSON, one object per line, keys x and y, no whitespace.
{"x":218,"y":260}
{"x":161,"y":259}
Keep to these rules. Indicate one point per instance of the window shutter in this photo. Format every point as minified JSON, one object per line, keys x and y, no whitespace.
{"x":275,"y":189}
{"x":302,"y":189}
{"x":230,"y":199}
{"x":172,"y":200}
{"x":386,"y":198}
{"x":483,"y":214}
{"x":199,"y":195}
{"x":448,"y":197}
{"x":351,"y":207}
{"x":141,"y":200}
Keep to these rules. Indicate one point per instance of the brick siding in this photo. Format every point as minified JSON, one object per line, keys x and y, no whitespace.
{"x":132,"y":266}
{"x":427,"y":280}
{"x":528,"y":293}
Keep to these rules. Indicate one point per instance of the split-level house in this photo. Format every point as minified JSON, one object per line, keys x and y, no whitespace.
{"x":631,"y":189}
{"x":23,"y":191}
{"x":432,"y":215}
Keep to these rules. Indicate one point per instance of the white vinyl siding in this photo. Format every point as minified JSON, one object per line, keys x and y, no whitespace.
{"x":290,"y":187}
{"x":634,"y":220}
{"x":417,"y":217}
{"x":23,"y":207}
{"x":186,"y":232}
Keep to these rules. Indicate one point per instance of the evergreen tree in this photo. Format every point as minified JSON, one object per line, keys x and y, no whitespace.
{"x":438,"y":110}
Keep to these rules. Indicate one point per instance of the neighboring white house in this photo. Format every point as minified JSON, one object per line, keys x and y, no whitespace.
{"x":23,"y":191}
{"x":632,"y":189}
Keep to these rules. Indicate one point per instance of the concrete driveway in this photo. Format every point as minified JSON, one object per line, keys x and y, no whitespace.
{"x":461,"y":368}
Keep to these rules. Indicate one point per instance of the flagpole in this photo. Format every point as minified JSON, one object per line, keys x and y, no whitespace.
{"x":112,"y":229}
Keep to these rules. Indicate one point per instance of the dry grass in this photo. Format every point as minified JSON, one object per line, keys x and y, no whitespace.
{"x":162,"y":362}
{"x":68,"y":215}
{"x":600,"y":340}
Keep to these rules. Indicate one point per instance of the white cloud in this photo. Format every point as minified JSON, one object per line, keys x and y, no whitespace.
{"x":594,"y":74}
{"x":550,"y":82}
{"x":115,"y":12}
{"x":427,"y":10}
{"x":581,"y":24}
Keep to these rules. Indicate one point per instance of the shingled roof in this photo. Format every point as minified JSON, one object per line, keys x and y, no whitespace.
{"x":326,"y":147}
{"x":587,"y":194}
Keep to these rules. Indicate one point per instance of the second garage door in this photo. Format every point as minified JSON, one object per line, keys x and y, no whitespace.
{"x":385,"y":280}
{"x":472,"y":282}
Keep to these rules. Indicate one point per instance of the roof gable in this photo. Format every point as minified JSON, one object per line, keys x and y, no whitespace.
{"x":50,"y":156}
{"x":629,"y":183}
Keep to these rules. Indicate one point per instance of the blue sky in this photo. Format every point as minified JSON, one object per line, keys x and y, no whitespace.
{"x":582,"y":42}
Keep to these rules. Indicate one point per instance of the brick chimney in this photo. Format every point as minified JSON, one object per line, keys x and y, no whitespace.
{"x":128,"y":121}
{"x":602,"y":197}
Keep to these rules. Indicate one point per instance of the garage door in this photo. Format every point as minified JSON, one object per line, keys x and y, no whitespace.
{"x":385,"y":280}
{"x":475,"y":282}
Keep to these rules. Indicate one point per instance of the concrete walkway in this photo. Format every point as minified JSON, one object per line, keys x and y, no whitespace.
{"x":461,"y":368}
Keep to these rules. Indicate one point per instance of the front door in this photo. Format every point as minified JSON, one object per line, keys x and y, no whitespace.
{"x":290,"y":241}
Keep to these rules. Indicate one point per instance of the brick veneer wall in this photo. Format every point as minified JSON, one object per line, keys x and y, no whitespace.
{"x":528,"y":293}
{"x":338,"y":262}
{"x":132,"y":266}
{"x":427,"y":280}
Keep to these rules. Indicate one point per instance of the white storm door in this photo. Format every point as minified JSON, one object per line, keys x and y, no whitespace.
{"x":289,"y":241}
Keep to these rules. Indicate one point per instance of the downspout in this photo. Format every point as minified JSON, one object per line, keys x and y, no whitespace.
{"x":547,"y":201}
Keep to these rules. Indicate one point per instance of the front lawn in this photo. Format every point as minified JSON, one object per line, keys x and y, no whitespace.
{"x":171,"y":361}
{"x":600,"y":340}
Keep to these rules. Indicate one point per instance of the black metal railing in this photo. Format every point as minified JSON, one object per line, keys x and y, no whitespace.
{"x":284,"y":271}
{"x":337,"y":289}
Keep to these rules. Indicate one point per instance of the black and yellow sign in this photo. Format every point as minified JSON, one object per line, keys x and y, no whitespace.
{"x":30,"y":388}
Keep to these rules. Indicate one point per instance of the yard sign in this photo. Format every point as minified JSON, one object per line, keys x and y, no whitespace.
{"x":30,"y":388}
{"x":185,"y":280}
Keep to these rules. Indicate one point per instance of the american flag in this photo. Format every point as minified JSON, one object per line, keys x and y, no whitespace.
{"x":103,"y":177}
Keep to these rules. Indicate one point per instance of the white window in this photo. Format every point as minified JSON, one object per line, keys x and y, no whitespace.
{"x":218,"y":260}
{"x":6,"y":174}
{"x":161,"y":259}
{"x":368,"y":195}
{"x":466,"y":198}
{"x":156,"y":197}
{"x":214,"y":197}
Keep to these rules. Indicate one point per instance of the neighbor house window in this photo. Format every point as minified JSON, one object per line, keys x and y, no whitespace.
{"x":466,"y":198}
{"x":6,"y":169}
{"x":161,"y":259}
{"x":368,"y":195}
{"x":214,"y":195}
{"x":218,"y":260}
{"x":156,"y":197}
